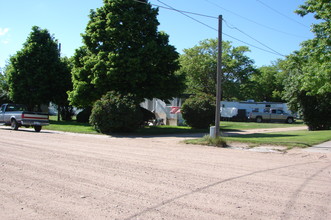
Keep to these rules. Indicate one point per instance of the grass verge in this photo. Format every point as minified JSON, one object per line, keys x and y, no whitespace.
{"x":229,"y":125}
{"x":209,"y":141}
{"x":289,"y":139}
{"x":73,"y":126}
{"x":70,"y":126}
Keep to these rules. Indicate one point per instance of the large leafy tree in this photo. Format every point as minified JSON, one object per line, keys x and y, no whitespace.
{"x":4,"y":96}
{"x":317,"y":51}
{"x":266,"y":84}
{"x":123,"y":51}
{"x":200,"y":65}
{"x":60,"y":98}
{"x":308,"y":84}
{"x":34,"y":74}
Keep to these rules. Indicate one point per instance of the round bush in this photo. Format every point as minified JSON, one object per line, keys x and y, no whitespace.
{"x":116,"y":113}
{"x":199,"y":111}
{"x":84,"y":115}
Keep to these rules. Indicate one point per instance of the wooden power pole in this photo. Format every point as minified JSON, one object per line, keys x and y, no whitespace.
{"x":219,"y":79}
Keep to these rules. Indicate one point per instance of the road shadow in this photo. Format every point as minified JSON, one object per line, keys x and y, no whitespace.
{"x":257,"y":135}
{"x":29,"y":130}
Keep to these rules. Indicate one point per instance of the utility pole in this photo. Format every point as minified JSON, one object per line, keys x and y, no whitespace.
{"x":58,"y":107}
{"x":219,"y":78}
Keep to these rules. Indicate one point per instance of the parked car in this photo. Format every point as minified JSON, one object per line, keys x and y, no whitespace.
{"x":272,"y":115}
{"x":16,"y":115}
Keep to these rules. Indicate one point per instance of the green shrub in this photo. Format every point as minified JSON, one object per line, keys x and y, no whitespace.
{"x":316,"y":110}
{"x":214,"y":141}
{"x":84,"y":115}
{"x":66,"y":112}
{"x":199,"y":111}
{"x":116,"y":113}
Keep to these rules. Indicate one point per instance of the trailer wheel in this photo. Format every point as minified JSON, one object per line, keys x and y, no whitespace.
{"x":259,"y":119}
{"x":37,"y":128}
{"x":14,"y":124}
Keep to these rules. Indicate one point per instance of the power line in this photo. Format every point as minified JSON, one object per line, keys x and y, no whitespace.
{"x":272,"y":51}
{"x":183,"y":13}
{"x":173,"y":9}
{"x":232,"y":27}
{"x":278,"y":12}
{"x":252,"y":21}
{"x":210,"y":27}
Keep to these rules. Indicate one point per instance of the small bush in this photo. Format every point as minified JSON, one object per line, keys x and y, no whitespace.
{"x":116,"y":113}
{"x":208,"y":140}
{"x":84,"y":115}
{"x":66,"y":113}
{"x":217,"y":141}
{"x":316,"y":111}
{"x":199,"y":111}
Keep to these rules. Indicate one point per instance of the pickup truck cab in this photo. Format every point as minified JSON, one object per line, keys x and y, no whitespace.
{"x":16,"y":115}
{"x":271,"y":115}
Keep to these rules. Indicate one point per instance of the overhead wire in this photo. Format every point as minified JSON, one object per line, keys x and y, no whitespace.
{"x":185,"y":13}
{"x":272,"y":50}
{"x":232,"y":27}
{"x":173,"y":9}
{"x":252,"y":21}
{"x":278,"y":12}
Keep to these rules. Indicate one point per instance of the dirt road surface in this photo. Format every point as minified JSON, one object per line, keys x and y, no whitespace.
{"x":52,"y":175}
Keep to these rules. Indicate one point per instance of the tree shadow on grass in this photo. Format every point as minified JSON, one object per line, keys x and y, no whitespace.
{"x":263,"y":135}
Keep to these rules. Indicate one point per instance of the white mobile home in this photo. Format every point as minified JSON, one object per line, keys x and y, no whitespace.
{"x":169,"y":112}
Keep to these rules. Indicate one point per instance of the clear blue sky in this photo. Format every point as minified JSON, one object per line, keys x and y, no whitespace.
{"x":271,"y":23}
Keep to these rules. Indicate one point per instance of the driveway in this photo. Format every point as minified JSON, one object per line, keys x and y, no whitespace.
{"x":54,"y":175}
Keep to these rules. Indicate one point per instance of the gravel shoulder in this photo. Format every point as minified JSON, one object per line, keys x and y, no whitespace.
{"x":56,"y":175}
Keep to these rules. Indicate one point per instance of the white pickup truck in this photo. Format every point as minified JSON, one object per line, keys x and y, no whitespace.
{"x":16,"y":116}
{"x":271,"y":115}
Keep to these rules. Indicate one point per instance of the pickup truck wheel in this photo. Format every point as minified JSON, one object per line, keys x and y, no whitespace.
{"x":259,"y":119}
{"x":290,"y":120}
{"x":14,"y":124}
{"x":37,"y":128}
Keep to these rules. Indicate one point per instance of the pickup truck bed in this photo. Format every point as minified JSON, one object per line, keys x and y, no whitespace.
{"x":16,"y":116}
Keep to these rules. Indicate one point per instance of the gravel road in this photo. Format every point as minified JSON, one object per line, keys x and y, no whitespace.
{"x":53,"y":175}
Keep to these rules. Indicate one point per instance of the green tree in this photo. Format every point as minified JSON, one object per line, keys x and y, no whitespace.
{"x":4,"y":96}
{"x":266,"y":84}
{"x":32,"y":74}
{"x":60,"y":98}
{"x":308,"y":84}
{"x":124,"y":52}
{"x":317,"y":51}
{"x":200,"y":66}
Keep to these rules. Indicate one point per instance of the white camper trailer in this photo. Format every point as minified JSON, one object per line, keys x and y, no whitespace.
{"x":239,"y":111}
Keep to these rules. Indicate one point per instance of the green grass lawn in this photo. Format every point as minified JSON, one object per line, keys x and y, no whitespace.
{"x":70,"y":126}
{"x":303,"y":138}
{"x":73,"y":126}
{"x":291,"y":139}
{"x":229,"y":125}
